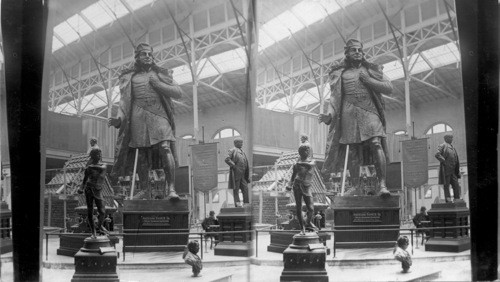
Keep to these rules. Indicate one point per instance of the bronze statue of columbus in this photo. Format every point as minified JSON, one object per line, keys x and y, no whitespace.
{"x":356,"y":116}
{"x":146,"y":120}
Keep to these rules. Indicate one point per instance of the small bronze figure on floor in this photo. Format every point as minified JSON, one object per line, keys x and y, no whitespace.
{"x":190,"y":257}
{"x":401,"y":254}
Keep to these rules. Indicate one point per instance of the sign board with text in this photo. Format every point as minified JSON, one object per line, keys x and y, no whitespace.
{"x":204,"y":166}
{"x":415,"y":162}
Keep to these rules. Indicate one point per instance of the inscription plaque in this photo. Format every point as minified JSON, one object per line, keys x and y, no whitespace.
{"x":156,"y":220}
{"x":362,"y":217}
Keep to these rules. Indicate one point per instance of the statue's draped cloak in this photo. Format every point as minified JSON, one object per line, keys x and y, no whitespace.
{"x":335,"y":151}
{"x":123,"y":156}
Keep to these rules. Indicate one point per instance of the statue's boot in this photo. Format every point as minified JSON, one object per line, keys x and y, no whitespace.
{"x":172,"y":195}
{"x":383,"y":189}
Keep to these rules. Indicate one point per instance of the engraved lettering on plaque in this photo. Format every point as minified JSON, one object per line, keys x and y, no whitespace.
{"x":361,"y":217}
{"x":156,"y":220}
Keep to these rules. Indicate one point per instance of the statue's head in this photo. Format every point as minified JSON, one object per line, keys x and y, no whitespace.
{"x":304,"y":150}
{"x":448,"y":138}
{"x":95,"y":155}
{"x":353,"y":50}
{"x":403,"y":242}
{"x":93,"y":141}
{"x":211,"y":213}
{"x":193,"y":247}
{"x":144,"y":54}
{"x":238,"y":142}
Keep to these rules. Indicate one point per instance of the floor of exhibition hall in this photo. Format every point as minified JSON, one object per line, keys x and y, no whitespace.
{"x":348,"y":265}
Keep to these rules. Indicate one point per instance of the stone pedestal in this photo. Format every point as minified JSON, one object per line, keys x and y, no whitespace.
{"x":281,"y":240}
{"x":5,"y":238}
{"x":155,"y":216}
{"x":447,"y":215}
{"x":235,"y":244}
{"x":305,"y":259}
{"x":96,"y":261}
{"x":366,"y":212}
{"x":70,"y":244}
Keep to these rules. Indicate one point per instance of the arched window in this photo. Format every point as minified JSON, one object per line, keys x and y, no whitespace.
{"x":187,"y":136}
{"x":439,"y":128}
{"x":215,"y":198}
{"x":400,"y":132}
{"x":226,"y":133}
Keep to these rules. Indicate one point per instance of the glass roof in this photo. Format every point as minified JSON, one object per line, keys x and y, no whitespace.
{"x":98,"y":14}
{"x":89,"y":102}
{"x":295,"y":19}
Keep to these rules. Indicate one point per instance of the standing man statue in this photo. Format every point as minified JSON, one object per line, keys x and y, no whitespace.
{"x":92,"y":184}
{"x":449,"y":169}
{"x":239,"y":171}
{"x":146,"y":120}
{"x":356,"y":116}
{"x":300,"y":183}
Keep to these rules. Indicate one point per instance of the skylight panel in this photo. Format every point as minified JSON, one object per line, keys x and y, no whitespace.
{"x":311,"y":12}
{"x":290,"y":22}
{"x":393,"y":70}
{"x":306,"y":97}
{"x":116,"y":6}
{"x":97,"y":15}
{"x":207,"y":69}
{"x":182,"y":74}
{"x":137,"y":4}
{"x":230,"y":60}
{"x":56,"y":44}
{"x":66,"y":108}
{"x":65,"y":32}
{"x":277,"y":28}
{"x":277,"y":105}
{"x":442,"y":55}
{"x":418,"y":64}
{"x":79,"y":24}
{"x":265,"y":40}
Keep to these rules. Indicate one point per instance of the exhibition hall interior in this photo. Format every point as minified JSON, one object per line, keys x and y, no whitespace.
{"x":243,"y":140}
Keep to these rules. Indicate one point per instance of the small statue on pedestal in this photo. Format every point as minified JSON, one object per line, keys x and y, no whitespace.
{"x":301,"y":185}
{"x":239,"y":172}
{"x":92,"y":184}
{"x":401,"y":254}
{"x":449,"y":168}
{"x":190,"y":257}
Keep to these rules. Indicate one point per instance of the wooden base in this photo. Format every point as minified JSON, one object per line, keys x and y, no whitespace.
{"x":366,"y":212}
